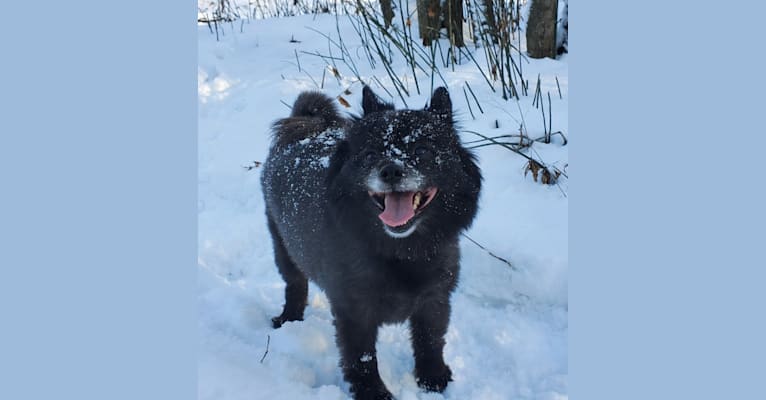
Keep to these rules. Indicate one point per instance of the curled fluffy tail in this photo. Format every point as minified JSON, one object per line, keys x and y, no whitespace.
{"x":313,"y":112}
{"x":315,"y":104}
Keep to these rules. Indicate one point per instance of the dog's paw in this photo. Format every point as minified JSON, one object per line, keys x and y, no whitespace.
{"x":376,"y":393}
{"x":434,"y":381}
{"x":277,"y":321}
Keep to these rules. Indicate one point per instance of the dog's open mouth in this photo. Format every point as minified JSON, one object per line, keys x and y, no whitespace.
{"x":400,"y":207}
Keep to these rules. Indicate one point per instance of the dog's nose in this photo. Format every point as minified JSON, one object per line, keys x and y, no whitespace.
{"x":391,"y":173}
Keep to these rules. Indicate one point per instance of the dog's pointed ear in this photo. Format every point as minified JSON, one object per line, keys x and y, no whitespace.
{"x":441,"y":103}
{"x":372,"y":103}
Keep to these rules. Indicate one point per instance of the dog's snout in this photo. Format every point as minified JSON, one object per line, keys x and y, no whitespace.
{"x":391,"y":173}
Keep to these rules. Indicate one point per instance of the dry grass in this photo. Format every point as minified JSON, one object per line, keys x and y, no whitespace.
{"x":546,"y":175}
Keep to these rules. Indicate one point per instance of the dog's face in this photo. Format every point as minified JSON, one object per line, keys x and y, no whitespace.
{"x":404,"y":173}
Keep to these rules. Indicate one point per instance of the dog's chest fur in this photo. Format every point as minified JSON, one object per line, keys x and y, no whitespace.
{"x":392,"y":289}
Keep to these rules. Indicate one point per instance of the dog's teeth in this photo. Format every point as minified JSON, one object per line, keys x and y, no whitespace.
{"x":416,"y":202}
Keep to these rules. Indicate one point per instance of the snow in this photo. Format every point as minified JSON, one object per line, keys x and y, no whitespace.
{"x":508,"y":332}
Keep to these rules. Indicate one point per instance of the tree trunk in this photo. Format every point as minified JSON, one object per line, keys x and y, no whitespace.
{"x":490,"y":20}
{"x":453,"y":19}
{"x":541,"y":28}
{"x":429,"y":12}
{"x":388,"y":12}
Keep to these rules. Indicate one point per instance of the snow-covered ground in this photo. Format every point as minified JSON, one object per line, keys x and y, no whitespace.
{"x":508,"y":333}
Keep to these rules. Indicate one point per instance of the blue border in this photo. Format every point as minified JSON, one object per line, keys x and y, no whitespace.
{"x":98,"y":204}
{"x":666,"y":201}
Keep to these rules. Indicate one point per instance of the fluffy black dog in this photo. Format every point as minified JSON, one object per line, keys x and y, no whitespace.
{"x":370,"y":209}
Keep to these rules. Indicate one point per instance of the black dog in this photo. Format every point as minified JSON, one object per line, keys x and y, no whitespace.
{"x":370,"y":209}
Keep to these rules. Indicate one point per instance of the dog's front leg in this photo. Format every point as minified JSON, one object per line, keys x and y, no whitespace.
{"x":356,"y":338}
{"x":428,"y":325}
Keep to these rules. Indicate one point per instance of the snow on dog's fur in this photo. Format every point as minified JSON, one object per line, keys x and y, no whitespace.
{"x":371,"y":209}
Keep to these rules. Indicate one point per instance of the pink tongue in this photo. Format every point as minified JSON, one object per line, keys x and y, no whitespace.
{"x":398,"y":208}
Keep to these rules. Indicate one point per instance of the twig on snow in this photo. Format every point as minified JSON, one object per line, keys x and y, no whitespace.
{"x":489,"y":252}
{"x":268,"y":340}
